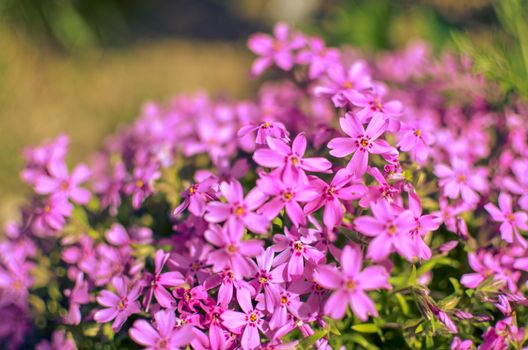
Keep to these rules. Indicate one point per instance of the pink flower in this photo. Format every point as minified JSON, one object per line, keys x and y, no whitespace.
{"x":52,"y":215}
{"x":294,"y":250}
{"x":461,"y":179}
{"x":276,"y":49}
{"x":264,"y":130}
{"x":59,"y":340}
{"x":60,"y":183}
{"x":511,"y":222}
{"x":196,"y":197}
{"x":372,"y":105}
{"x":415,"y":140}
{"x":248,"y":323}
{"x":350,"y":284}
{"x":267,"y":279}
{"x":141,"y":185}
{"x":390,"y":230}
{"x":233,"y":252}
{"x":285,"y":196}
{"x":77,"y":296}
{"x":330,"y":196}
{"x":238,"y":211}
{"x":360,"y":141}
{"x":290,"y":159}
{"x":341,"y":83}
{"x":118,"y":306}
{"x":159,"y":281}
{"x":164,"y":335}
{"x":318,"y":57}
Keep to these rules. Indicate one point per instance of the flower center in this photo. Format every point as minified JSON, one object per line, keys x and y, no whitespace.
{"x":122,"y":304}
{"x":462,"y":178}
{"x":348,"y":84}
{"x":287,"y":196}
{"x":364,"y":142}
{"x":298,"y":246}
{"x":193,"y":189}
{"x":265,"y":125}
{"x":140,"y":183}
{"x":64,"y":185}
{"x":47,"y":209}
{"x":392,"y":229}
{"x":418,"y":132}
{"x":263,"y":280}
{"x":253,"y":317}
{"x":232,"y":249}
{"x":163,"y":344}
{"x":350,"y":285}
{"x":195,"y":266}
{"x":284,"y":299}
{"x":510,"y":217}
{"x":239,"y":210}
{"x":17,"y":285}
{"x":295,"y":160}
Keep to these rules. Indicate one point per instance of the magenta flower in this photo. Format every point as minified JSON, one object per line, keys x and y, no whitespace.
{"x":485,"y":265}
{"x":390,"y":229}
{"x":77,"y":296}
{"x":295,"y":250}
{"x":276,"y":49}
{"x":459,"y":344}
{"x":290,"y":159}
{"x":196,"y":197}
{"x":318,"y":57}
{"x":341,"y":83}
{"x":120,"y":306}
{"x":233,"y":252}
{"x":285,"y":196}
{"x":288,"y":307}
{"x":416,"y":140}
{"x":350,"y":284}
{"x":159,"y":281}
{"x":268,"y":280}
{"x":248,"y":323}
{"x":461,"y":180}
{"x":60,"y":183}
{"x":371,"y":105}
{"x":238,"y":211}
{"x":141,"y":186}
{"x":511,"y":222}
{"x":360,"y":141}
{"x":52,"y":215}
{"x":163,"y":335}
{"x":264,"y":130}
{"x":330,"y":196}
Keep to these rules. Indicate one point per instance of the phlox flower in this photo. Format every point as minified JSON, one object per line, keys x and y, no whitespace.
{"x":510,"y":222}
{"x":415,"y":140}
{"x":319,"y":57}
{"x":52,"y":215}
{"x":77,"y":296}
{"x":268,"y":280}
{"x":264,"y":130}
{"x":461,"y":180}
{"x":285,"y":196}
{"x":159,"y":281}
{"x":229,"y":282}
{"x":44,"y":159}
{"x":274,"y":50}
{"x":290,"y":159}
{"x":361,"y":142}
{"x":390,"y":229}
{"x":60,"y":183}
{"x":163,"y":335}
{"x":59,"y":340}
{"x":485,"y":265}
{"x":350,"y":284}
{"x":288,"y":305}
{"x":340,"y":83}
{"x":294,"y":249}
{"x":459,"y":344}
{"x":141,"y":185}
{"x":233,"y":252}
{"x":196,"y":197}
{"x":384,"y":191}
{"x":238,"y":211}
{"x":423,"y":225}
{"x":248,"y":323}
{"x":120,"y":306}
{"x":371,"y":105}
{"x":331,"y":195}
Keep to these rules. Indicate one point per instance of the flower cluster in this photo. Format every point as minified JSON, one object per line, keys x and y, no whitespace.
{"x":383,"y":201}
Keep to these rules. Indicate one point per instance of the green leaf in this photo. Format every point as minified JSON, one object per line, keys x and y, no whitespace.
{"x":403,"y":304}
{"x":311,"y":340}
{"x":366,"y":328}
{"x":362,"y":341}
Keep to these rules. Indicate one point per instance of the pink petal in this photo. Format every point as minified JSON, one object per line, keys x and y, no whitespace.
{"x":336,"y":305}
{"x":269,"y":158}
{"x":374,"y":277}
{"x":351,"y":260}
{"x":342,"y":146}
{"x":143,"y":333}
{"x":328,"y":276}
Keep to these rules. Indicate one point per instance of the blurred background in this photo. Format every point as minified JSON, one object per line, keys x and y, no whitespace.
{"x":84,"y":67}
